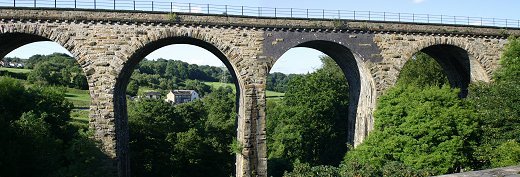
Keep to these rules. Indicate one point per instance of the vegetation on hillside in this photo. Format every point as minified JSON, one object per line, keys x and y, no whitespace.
{"x":37,"y":139}
{"x":309,"y":125}
{"x":173,"y":74}
{"x":183,"y":140}
{"x":421,"y":128}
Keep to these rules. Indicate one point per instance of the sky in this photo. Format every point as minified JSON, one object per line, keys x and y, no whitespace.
{"x":304,"y":60}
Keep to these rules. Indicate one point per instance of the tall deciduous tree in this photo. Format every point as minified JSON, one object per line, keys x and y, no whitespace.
{"x":310,"y":123}
{"x":498,"y":106}
{"x":423,"y":128}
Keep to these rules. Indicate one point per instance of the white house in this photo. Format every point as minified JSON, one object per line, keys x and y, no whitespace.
{"x":181,"y":96}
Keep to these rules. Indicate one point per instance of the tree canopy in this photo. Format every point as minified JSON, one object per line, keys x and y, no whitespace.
{"x":309,"y":123}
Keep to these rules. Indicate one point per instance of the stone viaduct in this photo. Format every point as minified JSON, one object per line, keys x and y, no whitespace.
{"x":109,"y":44}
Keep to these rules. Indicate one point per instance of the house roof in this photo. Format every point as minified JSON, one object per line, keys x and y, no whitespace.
{"x":183,"y":92}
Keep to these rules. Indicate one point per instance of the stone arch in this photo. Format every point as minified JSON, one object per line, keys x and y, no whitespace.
{"x":361,"y":86}
{"x":456,"y":57}
{"x":13,"y":36}
{"x":152,"y":41}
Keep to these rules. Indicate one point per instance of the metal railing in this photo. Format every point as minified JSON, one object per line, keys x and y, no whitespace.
{"x":163,"y":6}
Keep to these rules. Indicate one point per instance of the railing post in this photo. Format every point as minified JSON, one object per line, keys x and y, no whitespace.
{"x":55,"y":4}
{"x":114,"y":4}
{"x":455,"y":19}
{"x":323,"y":14}
{"x":413,"y":18}
{"x":291,"y":12}
{"x":189,"y":7}
{"x":428,"y":17}
{"x":399,"y":16}
{"x":307,"y":13}
{"x":171,"y":7}
{"x":468,"y":20}
{"x":506,"y":23}
{"x":152,"y":6}
{"x":242,"y":10}
{"x":259,"y":11}
{"x":14,"y":3}
{"x":368,"y":15}
{"x":274,"y":12}
{"x":208,"y":7}
{"x":354,"y":15}
{"x":384,"y":16}
{"x":226,"y":9}
{"x":134,"y":5}
{"x":74,"y":3}
{"x":94,"y":4}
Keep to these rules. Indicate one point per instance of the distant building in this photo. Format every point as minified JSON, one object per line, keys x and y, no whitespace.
{"x":151,"y":95}
{"x":181,"y":96}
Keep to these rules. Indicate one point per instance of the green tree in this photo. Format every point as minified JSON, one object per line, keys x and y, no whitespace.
{"x":34,"y":116}
{"x":185,"y":139}
{"x":423,"y":128}
{"x":509,"y":62}
{"x":132,"y":88}
{"x":423,"y":71}
{"x":56,"y":69}
{"x":310,"y":123}
{"x":498,"y":106}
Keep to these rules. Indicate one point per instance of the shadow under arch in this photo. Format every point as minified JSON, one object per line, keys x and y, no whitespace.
{"x":12,"y":41}
{"x":122,"y":81}
{"x":456,"y":63}
{"x":348,"y":63}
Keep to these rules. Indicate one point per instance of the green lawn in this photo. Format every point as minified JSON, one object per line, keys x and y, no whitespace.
{"x":269,"y":94}
{"x":16,"y":70}
{"x":79,"y":118}
{"x":143,"y":90}
{"x":216,"y":85}
{"x":273,"y":94}
{"x":80,"y":98}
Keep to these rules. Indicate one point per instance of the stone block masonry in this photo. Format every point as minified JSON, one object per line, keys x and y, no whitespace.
{"x":109,"y":44}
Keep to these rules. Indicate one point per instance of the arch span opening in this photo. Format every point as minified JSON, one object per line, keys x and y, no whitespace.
{"x":47,"y":98}
{"x":170,"y":133}
{"x":319,"y":107}
{"x":461,"y":67}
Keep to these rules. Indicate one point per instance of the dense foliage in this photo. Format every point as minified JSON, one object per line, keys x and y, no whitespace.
{"x":56,"y":69}
{"x":173,"y":74}
{"x":278,"y":82}
{"x":498,"y":106}
{"x":423,"y":128}
{"x":309,"y":124}
{"x":422,"y":71}
{"x":37,"y":139}
{"x":183,"y":140}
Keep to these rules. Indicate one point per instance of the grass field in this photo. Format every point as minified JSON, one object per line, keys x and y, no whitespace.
{"x":216,"y":85}
{"x":80,"y":98}
{"x":143,"y":90}
{"x":269,"y":94}
{"x":79,"y":118}
{"x":15,"y":70}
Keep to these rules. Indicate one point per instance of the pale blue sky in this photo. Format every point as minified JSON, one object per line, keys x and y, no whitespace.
{"x":303,"y":60}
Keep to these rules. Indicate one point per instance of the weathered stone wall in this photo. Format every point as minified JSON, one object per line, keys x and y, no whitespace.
{"x":108,"y":45}
{"x":397,"y":49}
